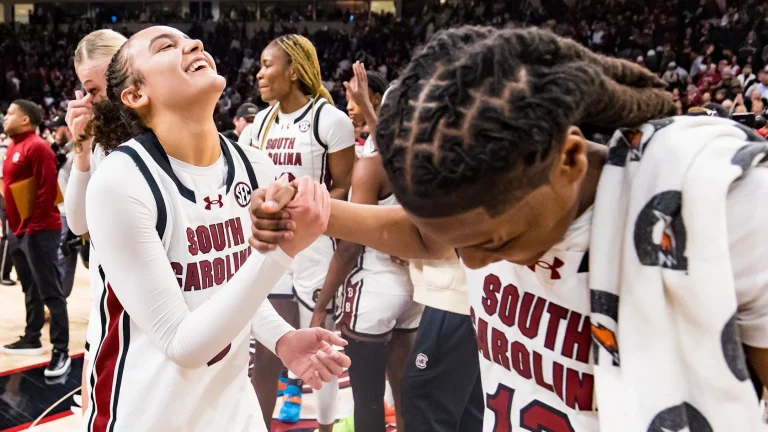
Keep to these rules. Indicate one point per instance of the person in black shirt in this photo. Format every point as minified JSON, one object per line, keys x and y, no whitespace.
{"x":243,"y":117}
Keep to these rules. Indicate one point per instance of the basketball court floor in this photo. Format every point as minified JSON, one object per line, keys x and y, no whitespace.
{"x":25,"y":393}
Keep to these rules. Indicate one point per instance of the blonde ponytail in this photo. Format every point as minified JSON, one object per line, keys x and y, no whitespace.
{"x":304,"y":61}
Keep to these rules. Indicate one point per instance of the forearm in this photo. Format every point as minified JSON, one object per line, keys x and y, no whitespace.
{"x":82,"y":159}
{"x":369,"y":114}
{"x":341,"y":194}
{"x":267,"y":326}
{"x":384,"y":228}
{"x":342,"y":263}
{"x":74,"y":200}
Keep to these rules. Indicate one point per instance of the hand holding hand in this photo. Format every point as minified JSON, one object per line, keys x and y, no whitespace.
{"x":291,"y":224}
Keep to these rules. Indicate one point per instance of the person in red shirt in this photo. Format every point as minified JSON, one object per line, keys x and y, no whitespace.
{"x":39,"y":234}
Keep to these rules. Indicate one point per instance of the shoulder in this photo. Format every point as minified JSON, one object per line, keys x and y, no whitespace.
{"x":117,"y":176}
{"x":244,"y":140}
{"x":335,"y":128}
{"x":330,"y":114}
{"x":261,"y":116}
{"x":38,"y":145}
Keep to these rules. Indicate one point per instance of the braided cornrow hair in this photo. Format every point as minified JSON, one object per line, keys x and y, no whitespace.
{"x":113,"y":123}
{"x":480,"y":111}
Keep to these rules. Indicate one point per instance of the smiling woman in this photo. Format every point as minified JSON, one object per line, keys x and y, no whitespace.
{"x":166,"y":213}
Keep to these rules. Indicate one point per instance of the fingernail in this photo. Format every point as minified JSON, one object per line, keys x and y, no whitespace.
{"x":314,"y":359}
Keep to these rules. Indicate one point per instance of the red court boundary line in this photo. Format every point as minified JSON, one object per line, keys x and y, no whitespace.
{"x":47,"y":419}
{"x":34,"y":366}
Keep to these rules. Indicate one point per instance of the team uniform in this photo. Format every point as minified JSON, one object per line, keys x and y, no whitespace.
{"x":378,"y":294}
{"x":533,"y":326}
{"x":157,"y":363}
{"x":299,"y":144}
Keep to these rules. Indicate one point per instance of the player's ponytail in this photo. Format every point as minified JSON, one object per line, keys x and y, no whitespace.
{"x":304,"y":61}
{"x":113,"y":123}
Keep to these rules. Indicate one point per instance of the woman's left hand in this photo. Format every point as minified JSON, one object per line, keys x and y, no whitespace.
{"x":310,"y":355}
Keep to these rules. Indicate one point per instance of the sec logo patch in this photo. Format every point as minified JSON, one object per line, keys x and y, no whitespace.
{"x":304,"y":126}
{"x":242,"y":194}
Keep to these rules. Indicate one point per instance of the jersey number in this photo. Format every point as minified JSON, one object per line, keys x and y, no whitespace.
{"x":535,"y":417}
{"x":291,"y":177}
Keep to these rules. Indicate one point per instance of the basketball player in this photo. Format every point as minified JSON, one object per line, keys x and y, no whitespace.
{"x":92,"y":57}
{"x":305,"y":135}
{"x":378,"y":315}
{"x":182,"y":289}
{"x":365,"y":93}
{"x":522,"y":197}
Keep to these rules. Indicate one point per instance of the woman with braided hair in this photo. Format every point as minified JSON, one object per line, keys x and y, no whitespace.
{"x":621,"y":278}
{"x":305,"y":135}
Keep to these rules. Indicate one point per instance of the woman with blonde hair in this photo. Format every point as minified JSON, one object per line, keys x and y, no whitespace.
{"x":305,"y":135}
{"x":92,"y":57}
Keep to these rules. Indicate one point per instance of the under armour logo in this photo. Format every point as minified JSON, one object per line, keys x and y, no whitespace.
{"x":209,"y":202}
{"x":556,"y":264}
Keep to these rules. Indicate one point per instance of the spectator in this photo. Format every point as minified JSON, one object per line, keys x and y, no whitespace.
{"x":36,"y":257}
{"x":67,"y":254}
{"x":243,"y":119}
{"x":746,"y":77}
{"x":761,"y":86}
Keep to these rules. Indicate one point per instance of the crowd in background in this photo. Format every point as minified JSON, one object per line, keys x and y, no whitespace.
{"x":705,"y":55}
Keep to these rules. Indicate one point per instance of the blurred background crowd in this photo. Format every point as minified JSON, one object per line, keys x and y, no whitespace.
{"x":710,"y":56}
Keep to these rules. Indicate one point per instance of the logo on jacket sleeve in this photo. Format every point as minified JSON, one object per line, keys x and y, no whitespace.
{"x":242,"y":194}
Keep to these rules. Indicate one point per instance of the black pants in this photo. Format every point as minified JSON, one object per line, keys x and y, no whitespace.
{"x":36,"y":261}
{"x":441,"y":387}
{"x":7,"y":244}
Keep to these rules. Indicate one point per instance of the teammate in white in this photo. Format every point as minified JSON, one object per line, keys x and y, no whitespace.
{"x":183,"y":290}
{"x":378,"y":316}
{"x":92,"y":57}
{"x":305,"y":135}
{"x":491,"y":165}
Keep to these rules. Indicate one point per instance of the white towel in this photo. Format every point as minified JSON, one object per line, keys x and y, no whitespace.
{"x":668,"y":356}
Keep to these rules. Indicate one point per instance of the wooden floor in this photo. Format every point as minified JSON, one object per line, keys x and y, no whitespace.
{"x":78,"y":304}
{"x":13,"y":315}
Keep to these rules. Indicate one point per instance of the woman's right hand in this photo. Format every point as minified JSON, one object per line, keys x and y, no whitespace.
{"x":79,"y":112}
